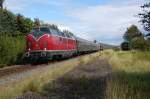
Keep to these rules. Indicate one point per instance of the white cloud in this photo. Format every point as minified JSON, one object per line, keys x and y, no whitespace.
{"x":21,"y":5}
{"x":106,"y":22}
{"x":15,"y":5}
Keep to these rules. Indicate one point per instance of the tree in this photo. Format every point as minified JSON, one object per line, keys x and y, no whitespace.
{"x":145,"y":20}
{"x":68,"y":32}
{"x":24,"y":25}
{"x":139,"y":43}
{"x":145,"y":16}
{"x":1,"y":3}
{"x":131,"y":33}
{"x":7,"y":22}
{"x":36,"y":22}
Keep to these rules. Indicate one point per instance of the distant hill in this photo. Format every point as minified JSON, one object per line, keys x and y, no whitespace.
{"x":107,"y":46}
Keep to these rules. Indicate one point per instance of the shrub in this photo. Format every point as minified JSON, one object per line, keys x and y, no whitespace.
{"x":138,"y":43}
{"x":11,"y":49}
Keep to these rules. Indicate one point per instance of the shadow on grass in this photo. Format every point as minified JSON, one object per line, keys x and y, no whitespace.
{"x":78,"y":88}
{"x":87,"y":81}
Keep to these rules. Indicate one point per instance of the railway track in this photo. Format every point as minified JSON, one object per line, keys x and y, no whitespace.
{"x":18,"y":72}
{"x":22,"y":68}
{"x":15,"y":69}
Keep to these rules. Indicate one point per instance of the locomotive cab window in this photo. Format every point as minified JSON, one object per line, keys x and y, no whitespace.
{"x":40,"y":31}
{"x":61,"y":34}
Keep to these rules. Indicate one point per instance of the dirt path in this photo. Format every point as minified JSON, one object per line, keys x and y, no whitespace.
{"x":88,"y":81}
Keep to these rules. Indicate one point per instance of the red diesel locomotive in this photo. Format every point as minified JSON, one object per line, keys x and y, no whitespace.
{"x":45,"y":43}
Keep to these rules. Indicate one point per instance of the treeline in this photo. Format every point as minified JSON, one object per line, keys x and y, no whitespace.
{"x":13,"y":29}
{"x":133,"y":37}
{"x":12,"y":24}
{"x":11,"y":50}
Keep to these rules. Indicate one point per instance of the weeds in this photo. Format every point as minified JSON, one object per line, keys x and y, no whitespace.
{"x":131,"y":73}
{"x":33,"y":86}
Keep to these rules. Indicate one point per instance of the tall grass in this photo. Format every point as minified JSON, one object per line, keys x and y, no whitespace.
{"x":131,"y":75}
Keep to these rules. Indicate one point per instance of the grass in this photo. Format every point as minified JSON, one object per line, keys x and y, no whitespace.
{"x":41,"y":77}
{"x":87,"y":81}
{"x":131,"y":75}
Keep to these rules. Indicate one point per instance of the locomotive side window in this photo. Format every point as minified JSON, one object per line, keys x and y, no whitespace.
{"x":67,"y":34}
{"x":54,"y":32}
{"x":63,"y":34}
{"x":60,"y":33}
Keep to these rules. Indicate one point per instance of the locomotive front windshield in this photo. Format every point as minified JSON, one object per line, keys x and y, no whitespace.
{"x":37,"y":32}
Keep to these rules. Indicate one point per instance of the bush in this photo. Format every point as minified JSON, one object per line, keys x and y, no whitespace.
{"x":11,"y":49}
{"x":139,"y":43}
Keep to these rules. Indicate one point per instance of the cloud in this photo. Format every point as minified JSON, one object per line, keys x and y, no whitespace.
{"x":22,"y":5}
{"x":15,"y":5}
{"x":106,"y":22}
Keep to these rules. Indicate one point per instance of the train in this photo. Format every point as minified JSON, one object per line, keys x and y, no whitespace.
{"x":45,"y":43}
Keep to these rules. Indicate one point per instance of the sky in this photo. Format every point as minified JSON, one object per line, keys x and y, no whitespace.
{"x":102,"y":20}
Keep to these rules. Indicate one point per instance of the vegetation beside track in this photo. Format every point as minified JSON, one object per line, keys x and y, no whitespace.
{"x":131,"y":73}
{"x":42,"y":76}
{"x":11,"y":50}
